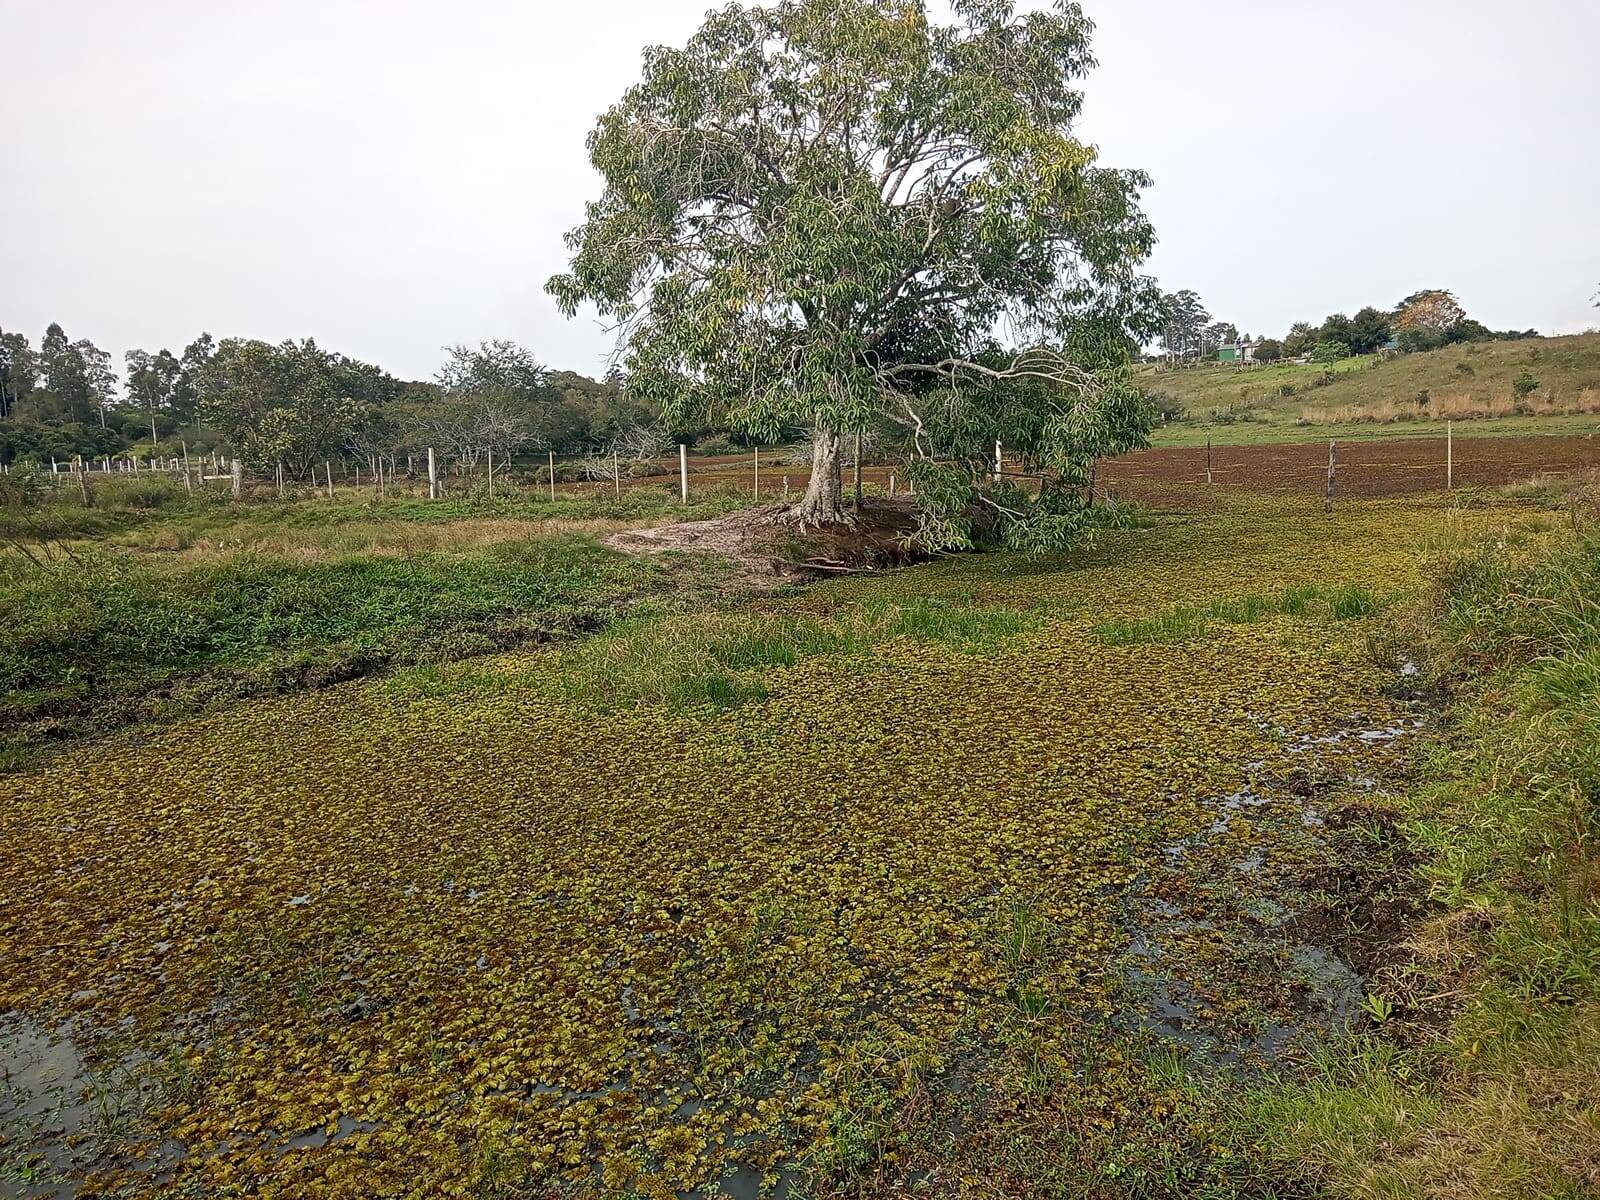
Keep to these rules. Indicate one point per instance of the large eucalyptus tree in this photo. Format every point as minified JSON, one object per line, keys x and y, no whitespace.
{"x":837,"y":213}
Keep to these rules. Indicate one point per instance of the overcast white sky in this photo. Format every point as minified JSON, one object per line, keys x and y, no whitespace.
{"x":389,"y":176}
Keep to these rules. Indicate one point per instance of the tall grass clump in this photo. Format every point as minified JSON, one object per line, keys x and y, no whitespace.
{"x":726,"y":660}
{"x":1499,"y":1092}
{"x":1187,"y":622}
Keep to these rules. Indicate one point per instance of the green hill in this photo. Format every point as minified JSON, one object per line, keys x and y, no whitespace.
{"x":1396,"y":395}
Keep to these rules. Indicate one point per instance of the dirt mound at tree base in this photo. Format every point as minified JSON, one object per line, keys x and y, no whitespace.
{"x":769,"y":551}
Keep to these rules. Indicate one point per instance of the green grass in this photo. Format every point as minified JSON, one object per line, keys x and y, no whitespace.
{"x":1496,"y":1089}
{"x":1371,"y":396}
{"x":99,"y":638}
{"x":723,"y":660}
{"x":1184,"y":623}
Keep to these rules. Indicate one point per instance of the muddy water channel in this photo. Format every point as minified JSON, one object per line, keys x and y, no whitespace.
{"x":1253,"y":938}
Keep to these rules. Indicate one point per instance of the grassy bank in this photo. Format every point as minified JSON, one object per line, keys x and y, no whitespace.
{"x":1374,"y":396}
{"x":147,"y":604}
{"x":1484,"y":1077}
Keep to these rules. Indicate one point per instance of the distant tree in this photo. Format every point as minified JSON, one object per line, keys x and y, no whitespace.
{"x":1269,"y":350}
{"x":496,"y":397}
{"x":197,"y":355}
{"x":1215,"y":335}
{"x":1330,"y":350}
{"x":78,"y":382}
{"x":19,"y":370}
{"x":499,"y":365}
{"x":1469,"y":330}
{"x":1183,"y":320}
{"x":1299,"y":340}
{"x":821,"y":212}
{"x":1434,"y":309}
{"x":1369,"y":330}
{"x":1525,"y":384}
{"x":153,"y":384}
{"x":1418,"y":338}
{"x":1337,"y":328}
{"x":99,"y":379}
{"x":293,"y":403}
{"x":65,"y":391}
{"x":469,"y":425}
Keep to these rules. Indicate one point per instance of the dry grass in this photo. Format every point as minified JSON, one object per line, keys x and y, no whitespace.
{"x":1460,"y":382}
{"x":381,"y":538}
{"x":1458,"y":405}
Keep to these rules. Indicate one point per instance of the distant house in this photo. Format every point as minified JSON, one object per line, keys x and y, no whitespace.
{"x":1237,"y":352}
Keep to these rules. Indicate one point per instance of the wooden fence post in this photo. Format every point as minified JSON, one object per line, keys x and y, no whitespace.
{"x":552,"y":476}
{"x":858,"y":470}
{"x":328,"y":467}
{"x":1208,"y":462}
{"x":758,"y":474}
{"x":433,"y":476}
{"x":683,"y":471}
{"x":1327,"y":504}
{"x":1449,"y":458}
{"x":616,"y":472}
{"x":785,"y":489}
{"x":997,"y":463}
{"x":238,"y":479}
{"x":891,"y":485}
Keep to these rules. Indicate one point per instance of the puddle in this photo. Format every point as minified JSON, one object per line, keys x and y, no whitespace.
{"x":316,"y":1139}
{"x":61,"y":1117}
{"x":1172,"y":954}
{"x":744,"y":1183}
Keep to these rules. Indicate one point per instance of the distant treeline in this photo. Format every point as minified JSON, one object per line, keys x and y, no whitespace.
{"x":296,"y":403}
{"x":1424,"y":320}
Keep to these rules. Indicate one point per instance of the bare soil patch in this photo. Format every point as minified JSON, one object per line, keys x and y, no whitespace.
{"x":1376,"y":468}
{"x":765,"y":551}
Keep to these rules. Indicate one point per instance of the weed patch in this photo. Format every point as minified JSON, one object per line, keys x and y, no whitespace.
{"x":1185,"y":623}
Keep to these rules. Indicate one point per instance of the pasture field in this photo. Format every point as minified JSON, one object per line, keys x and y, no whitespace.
{"x":1372,"y":396}
{"x":995,"y":876}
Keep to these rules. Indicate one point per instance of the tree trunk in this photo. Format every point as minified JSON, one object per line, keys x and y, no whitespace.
{"x":822,"y":503}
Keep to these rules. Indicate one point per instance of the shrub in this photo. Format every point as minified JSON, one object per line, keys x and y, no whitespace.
{"x":147,"y":492}
{"x":720,"y":443}
{"x":23,"y":487}
{"x":1169,"y":408}
{"x":1525,"y":384}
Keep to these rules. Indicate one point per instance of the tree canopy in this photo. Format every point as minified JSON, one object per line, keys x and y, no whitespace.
{"x":835,"y":212}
